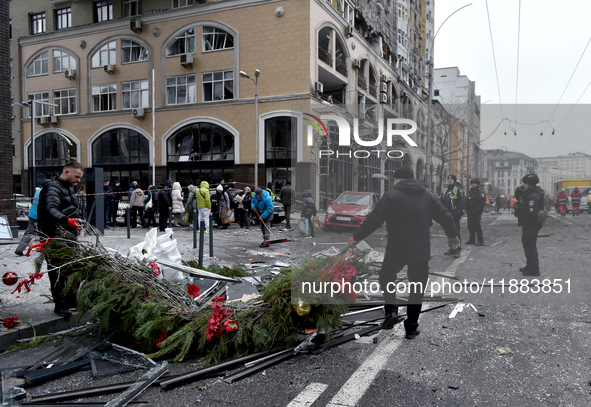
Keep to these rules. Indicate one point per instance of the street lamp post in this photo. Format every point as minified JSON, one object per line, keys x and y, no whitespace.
{"x":428,"y":164}
{"x":256,"y":123}
{"x":31,"y":106}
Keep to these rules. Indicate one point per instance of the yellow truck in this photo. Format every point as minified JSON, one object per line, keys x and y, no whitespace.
{"x":569,"y":185}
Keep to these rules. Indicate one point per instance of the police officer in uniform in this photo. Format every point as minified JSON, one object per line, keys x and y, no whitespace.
{"x":452,"y":198}
{"x":531,"y":203}
{"x":474,"y":207}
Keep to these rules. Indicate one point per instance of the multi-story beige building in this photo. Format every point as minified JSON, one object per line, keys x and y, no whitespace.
{"x":137,"y":79}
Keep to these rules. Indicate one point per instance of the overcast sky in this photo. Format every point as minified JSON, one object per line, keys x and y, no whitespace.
{"x":552,"y":37}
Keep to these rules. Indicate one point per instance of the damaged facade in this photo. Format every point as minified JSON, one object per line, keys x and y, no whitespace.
{"x":95,"y":60}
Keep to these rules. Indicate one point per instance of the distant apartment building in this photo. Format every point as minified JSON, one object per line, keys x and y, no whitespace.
{"x":505,"y":169}
{"x":457,"y":94}
{"x":579,"y":163}
{"x":110,"y":65}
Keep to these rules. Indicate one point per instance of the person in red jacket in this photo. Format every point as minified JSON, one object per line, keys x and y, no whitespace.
{"x":576,"y":196}
{"x":562,"y":198}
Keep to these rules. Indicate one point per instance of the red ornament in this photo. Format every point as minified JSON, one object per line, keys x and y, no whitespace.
{"x":9,"y":278}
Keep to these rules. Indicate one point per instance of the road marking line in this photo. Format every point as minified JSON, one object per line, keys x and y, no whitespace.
{"x":352,"y":391}
{"x":309,"y":395}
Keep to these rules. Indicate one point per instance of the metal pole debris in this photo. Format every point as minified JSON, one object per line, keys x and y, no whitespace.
{"x":143,"y":383}
{"x":218,"y":367}
{"x":196,"y":272}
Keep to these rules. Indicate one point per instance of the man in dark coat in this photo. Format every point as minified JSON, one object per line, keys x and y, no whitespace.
{"x":407,"y":210}
{"x":287,"y":196}
{"x":531,"y":203}
{"x":452,"y":198}
{"x":58,"y":206}
{"x":474,"y":207}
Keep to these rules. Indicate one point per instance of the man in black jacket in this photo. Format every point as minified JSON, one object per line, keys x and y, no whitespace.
{"x":452,"y":198}
{"x":531,"y":203}
{"x":58,"y":206}
{"x":407,"y":210}
{"x":474,"y":207}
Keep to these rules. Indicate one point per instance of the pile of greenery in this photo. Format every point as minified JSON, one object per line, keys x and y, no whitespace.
{"x":131,"y":301}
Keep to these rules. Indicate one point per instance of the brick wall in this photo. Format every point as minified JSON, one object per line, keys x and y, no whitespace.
{"x":6,"y":207}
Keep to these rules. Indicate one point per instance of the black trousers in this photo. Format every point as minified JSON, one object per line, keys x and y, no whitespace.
{"x":134,"y":212}
{"x":418,"y":273}
{"x":149,"y":217}
{"x":474,"y":226}
{"x":529,"y":238}
{"x":163,"y":219}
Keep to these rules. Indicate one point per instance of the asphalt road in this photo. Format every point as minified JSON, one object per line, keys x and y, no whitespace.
{"x":454,"y":361}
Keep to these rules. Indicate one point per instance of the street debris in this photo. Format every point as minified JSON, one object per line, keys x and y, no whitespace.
{"x":505,"y":350}
{"x":175,"y":309}
{"x":459,"y":308}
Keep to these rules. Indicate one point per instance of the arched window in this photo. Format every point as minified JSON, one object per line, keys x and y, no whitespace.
{"x":39,"y":66}
{"x":133,"y":52}
{"x":123,"y":154}
{"x":216,"y":39}
{"x":200,"y":151}
{"x":62,"y":61}
{"x":184,"y":43}
{"x":52,"y":151}
{"x":105,"y":55}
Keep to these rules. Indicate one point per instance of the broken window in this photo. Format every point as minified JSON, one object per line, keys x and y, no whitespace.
{"x":184,"y":43}
{"x":215,"y":39}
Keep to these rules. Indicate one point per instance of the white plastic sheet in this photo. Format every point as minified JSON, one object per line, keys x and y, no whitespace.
{"x":161,"y":247}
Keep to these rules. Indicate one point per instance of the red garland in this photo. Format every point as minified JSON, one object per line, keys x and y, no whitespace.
{"x":215,"y":328}
{"x":27,"y":282}
{"x":38,"y":247}
{"x":193,"y":290}
{"x":9,"y":322}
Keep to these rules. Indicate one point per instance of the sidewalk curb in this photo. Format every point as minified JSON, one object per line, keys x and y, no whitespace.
{"x":47,"y":326}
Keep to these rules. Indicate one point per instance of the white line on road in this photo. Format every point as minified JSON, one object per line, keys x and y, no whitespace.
{"x":359,"y":382}
{"x":309,"y":395}
{"x":352,"y":391}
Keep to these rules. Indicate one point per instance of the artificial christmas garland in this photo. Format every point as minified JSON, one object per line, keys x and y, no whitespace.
{"x":129,"y":299}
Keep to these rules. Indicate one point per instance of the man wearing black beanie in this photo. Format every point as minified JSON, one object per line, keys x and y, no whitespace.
{"x":407,"y":210}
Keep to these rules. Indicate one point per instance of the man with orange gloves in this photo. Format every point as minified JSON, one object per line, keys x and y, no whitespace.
{"x":562,"y":198}
{"x":407,"y":209}
{"x":58,"y":206}
{"x":576,"y":196}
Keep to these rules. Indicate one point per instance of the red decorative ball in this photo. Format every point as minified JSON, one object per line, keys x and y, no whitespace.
{"x":9,"y":278}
